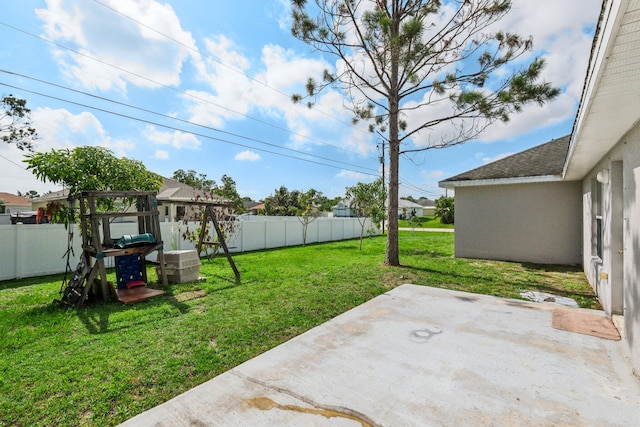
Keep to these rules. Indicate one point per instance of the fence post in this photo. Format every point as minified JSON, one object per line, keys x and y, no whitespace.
{"x":21,"y":249}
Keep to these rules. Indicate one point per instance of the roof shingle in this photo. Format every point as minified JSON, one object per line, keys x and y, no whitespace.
{"x":543,"y":160}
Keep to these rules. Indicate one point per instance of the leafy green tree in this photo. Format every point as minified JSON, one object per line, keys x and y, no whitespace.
{"x":31,"y":194}
{"x":368,"y":200}
{"x":398,"y":58}
{"x":15,"y":123}
{"x":445,"y":209}
{"x":282,"y":202}
{"x":92,"y":169}
{"x":200,"y":181}
{"x":2,"y":206}
{"x":229,"y":192}
{"x":194,"y":179}
{"x":310,"y":204}
{"x":326,"y":204}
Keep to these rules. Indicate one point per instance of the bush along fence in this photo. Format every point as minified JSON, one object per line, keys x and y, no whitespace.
{"x":37,"y":250}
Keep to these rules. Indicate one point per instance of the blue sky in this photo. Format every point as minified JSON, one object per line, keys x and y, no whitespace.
{"x":225,"y":71}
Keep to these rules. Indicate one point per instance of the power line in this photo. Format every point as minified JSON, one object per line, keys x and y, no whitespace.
{"x":215,"y":60}
{"x":411,"y":186}
{"x":183,"y":130}
{"x":192,"y":48}
{"x":182,"y":120}
{"x":11,"y":161}
{"x":173,"y":88}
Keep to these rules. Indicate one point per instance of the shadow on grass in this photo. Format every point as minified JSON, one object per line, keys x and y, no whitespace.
{"x":231,"y":283}
{"x":470,"y":282}
{"x":453,"y":275}
{"x":552,"y":268}
{"x":426,"y":253}
{"x":30,"y":281}
{"x":95,"y":317}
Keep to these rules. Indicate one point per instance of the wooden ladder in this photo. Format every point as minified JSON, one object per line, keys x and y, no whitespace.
{"x":77,"y":290}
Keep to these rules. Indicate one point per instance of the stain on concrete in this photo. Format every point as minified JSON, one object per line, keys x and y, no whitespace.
{"x":467,"y":299}
{"x":315,"y":407}
{"x":425,"y":334}
{"x":266,"y":404}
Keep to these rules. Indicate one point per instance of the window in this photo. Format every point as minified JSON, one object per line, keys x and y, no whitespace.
{"x":180,"y":211}
{"x":598,"y":226}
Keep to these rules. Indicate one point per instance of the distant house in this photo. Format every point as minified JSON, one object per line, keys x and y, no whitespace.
{"x":174,"y":200}
{"x":254,"y":208}
{"x":13,"y":203}
{"x":343,"y":210}
{"x":12,"y":206}
{"x":408,"y":209}
{"x":428,"y":206}
{"x":575,"y":199}
{"x":54,"y":196}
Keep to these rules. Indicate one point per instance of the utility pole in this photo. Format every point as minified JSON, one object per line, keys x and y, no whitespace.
{"x":383,"y":186}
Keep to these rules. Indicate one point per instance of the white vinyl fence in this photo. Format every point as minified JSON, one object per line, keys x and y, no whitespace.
{"x":36,"y":250}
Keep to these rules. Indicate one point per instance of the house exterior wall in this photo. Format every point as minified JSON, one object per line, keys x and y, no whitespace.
{"x":615,"y":275}
{"x":405,"y":213}
{"x":428,"y":211}
{"x":532,"y":222}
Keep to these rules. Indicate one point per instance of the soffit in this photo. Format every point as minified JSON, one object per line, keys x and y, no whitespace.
{"x":609,"y":105}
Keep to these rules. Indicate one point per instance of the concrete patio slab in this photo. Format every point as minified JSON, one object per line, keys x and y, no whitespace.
{"x":420,"y":356}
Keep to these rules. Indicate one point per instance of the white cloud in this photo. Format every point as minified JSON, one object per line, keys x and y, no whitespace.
{"x":248,"y":155}
{"x":355,"y":176}
{"x":541,"y":19}
{"x":57,"y":129}
{"x":176,"y":139}
{"x":230,"y":97}
{"x":566,"y":53}
{"x":161,"y":154}
{"x":233,"y":96}
{"x":98,"y":32}
{"x":532,"y":117}
{"x":433,"y":174}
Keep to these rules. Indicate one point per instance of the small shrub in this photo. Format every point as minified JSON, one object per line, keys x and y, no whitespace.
{"x":445,"y":209}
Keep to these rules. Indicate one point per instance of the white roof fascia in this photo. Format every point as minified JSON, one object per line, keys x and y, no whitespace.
{"x":596,"y":69}
{"x":501,"y":181}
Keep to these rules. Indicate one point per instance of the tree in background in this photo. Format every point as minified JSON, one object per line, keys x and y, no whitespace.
{"x":368,"y":200}
{"x":282,"y":202}
{"x":445,"y":209}
{"x":411,"y":65}
{"x":2,"y":207}
{"x":409,"y":198}
{"x":15,"y":123}
{"x":200,"y":181}
{"x":326,"y":204}
{"x":194,"y":179}
{"x":31,"y":194}
{"x":228,"y":190}
{"x":93,"y":169}
{"x":310,"y":205}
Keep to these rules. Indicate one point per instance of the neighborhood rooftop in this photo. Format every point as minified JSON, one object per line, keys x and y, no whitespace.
{"x":543,"y":160}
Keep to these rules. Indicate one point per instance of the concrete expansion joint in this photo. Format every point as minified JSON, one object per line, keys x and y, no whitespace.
{"x":328,"y":411}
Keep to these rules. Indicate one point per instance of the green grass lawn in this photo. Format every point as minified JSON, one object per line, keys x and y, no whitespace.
{"x":424,"y":222}
{"x":105,"y":363}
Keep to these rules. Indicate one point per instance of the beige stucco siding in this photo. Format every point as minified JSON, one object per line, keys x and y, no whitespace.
{"x":536,"y":222}
{"x":616,"y":275}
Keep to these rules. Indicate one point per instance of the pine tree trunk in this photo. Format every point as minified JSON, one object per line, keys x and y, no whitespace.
{"x":392,"y":256}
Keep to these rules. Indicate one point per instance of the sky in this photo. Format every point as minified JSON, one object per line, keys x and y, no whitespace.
{"x":205,"y":85}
